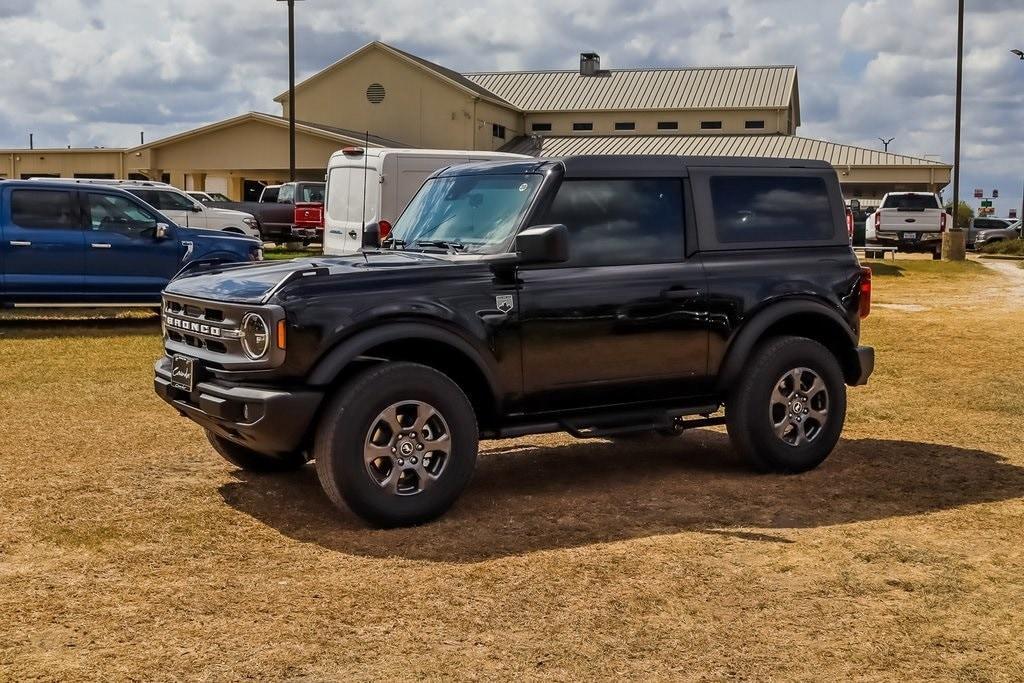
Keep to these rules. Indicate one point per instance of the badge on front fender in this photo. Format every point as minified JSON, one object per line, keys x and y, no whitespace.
{"x":503,"y":302}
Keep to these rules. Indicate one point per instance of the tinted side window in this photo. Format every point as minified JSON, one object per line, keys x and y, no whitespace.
{"x":44,"y":209}
{"x":613,"y":222}
{"x":117,"y":214}
{"x":172,"y":201}
{"x":771,"y":208}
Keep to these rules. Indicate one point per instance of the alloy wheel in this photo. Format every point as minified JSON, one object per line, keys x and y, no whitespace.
{"x":799,"y":406}
{"x":407,"y":447}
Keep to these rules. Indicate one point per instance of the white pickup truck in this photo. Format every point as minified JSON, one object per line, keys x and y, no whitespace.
{"x":909,"y":221}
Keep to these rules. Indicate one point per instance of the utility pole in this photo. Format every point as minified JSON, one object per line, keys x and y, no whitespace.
{"x":291,"y":88}
{"x":959,"y":93}
{"x":886,"y":142}
{"x":1020,"y":55}
{"x":31,"y":142}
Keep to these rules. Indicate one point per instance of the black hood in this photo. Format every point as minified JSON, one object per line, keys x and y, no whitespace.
{"x":253,"y":282}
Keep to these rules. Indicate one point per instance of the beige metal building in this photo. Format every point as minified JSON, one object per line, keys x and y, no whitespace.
{"x":401,"y":100}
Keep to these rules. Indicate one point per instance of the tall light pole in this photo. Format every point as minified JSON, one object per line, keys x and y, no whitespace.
{"x":1020,"y":55}
{"x":959,"y":92}
{"x":886,"y":142}
{"x":291,"y":89}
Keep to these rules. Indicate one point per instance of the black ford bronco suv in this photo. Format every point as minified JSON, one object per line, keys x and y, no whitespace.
{"x":602,"y":296}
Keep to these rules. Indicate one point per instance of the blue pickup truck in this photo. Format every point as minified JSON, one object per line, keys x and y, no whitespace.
{"x":63,"y":244}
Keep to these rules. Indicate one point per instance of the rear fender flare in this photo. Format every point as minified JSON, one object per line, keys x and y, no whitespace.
{"x":753,"y":331}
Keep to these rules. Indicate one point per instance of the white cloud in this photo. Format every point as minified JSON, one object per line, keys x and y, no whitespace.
{"x":95,"y":72}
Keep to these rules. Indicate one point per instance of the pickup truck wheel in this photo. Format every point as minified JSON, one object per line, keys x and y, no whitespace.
{"x":254,"y":461}
{"x":936,"y":255}
{"x":788,"y":410}
{"x":397,"y":445}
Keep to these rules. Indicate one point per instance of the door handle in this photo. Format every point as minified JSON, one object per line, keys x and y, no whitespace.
{"x":353,"y":234}
{"x":20,"y":243}
{"x":100,"y":245}
{"x":676,"y":293}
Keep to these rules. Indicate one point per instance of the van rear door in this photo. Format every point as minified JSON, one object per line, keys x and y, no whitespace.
{"x":353,"y":198}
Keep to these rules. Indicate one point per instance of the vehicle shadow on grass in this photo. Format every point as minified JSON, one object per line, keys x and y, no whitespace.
{"x":541,"y":498}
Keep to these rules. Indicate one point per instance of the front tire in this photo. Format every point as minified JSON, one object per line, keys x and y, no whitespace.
{"x":254,"y":461}
{"x":788,"y":410}
{"x":397,"y":445}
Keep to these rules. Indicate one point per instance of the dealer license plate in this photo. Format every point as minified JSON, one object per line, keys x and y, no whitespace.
{"x":183,"y":372}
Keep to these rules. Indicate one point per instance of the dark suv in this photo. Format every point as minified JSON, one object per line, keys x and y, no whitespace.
{"x":602,"y":296}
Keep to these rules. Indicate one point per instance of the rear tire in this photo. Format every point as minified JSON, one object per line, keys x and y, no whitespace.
{"x":397,"y":445}
{"x":936,"y":255}
{"x":254,"y":461}
{"x":788,"y":410}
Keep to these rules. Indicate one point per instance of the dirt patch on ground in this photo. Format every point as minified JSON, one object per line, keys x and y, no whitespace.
{"x":129,"y":550}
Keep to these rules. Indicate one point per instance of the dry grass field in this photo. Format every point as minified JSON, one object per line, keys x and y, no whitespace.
{"x":129,"y":550}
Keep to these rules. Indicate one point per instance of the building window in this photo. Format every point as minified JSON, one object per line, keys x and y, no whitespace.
{"x":625,"y":125}
{"x":583,"y":126}
{"x":668,"y":125}
{"x":753,"y":125}
{"x":498,"y":130}
{"x":710,"y":125}
{"x":540,"y":126}
{"x":375,"y":93}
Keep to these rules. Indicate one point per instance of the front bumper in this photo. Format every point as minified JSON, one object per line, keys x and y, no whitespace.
{"x":266,"y":420}
{"x":865,"y":356}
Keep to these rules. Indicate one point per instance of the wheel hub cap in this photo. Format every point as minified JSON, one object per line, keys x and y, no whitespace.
{"x":407,"y":447}
{"x":799,"y":406}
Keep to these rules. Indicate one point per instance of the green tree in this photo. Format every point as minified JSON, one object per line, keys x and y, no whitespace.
{"x":963,"y":215}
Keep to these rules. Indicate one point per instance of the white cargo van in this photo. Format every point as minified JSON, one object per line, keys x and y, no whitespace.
{"x":374,"y":185}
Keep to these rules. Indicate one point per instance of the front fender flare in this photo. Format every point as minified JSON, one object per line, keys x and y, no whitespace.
{"x":335,"y":360}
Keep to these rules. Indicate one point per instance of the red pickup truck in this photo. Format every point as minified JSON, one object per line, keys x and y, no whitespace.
{"x":291,"y":212}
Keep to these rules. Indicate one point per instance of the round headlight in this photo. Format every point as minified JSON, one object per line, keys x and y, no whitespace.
{"x":255,"y":336}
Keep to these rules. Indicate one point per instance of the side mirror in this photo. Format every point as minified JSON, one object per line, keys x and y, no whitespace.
{"x":543,"y":244}
{"x":371,"y":236}
{"x":854,"y":205}
{"x":196,"y":208}
{"x":160,"y":231}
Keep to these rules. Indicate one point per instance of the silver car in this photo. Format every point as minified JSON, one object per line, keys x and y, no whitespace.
{"x":989,"y":230}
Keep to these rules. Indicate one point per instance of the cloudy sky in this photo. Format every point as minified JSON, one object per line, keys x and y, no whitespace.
{"x":96,"y":72}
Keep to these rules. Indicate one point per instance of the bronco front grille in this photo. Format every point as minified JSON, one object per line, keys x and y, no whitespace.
{"x":211,"y":331}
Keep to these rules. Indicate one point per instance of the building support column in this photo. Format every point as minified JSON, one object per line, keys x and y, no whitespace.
{"x":195,"y":182}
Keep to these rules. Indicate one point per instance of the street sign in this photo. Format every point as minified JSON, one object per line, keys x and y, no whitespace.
{"x":978,"y":193}
{"x":986,"y":203}
{"x":1013,"y":213}
{"x":995,"y":194}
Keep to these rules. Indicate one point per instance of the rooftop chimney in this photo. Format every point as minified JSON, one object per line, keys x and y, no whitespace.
{"x":590,"y":63}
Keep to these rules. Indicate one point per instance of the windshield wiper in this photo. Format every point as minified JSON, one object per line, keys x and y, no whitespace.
{"x":449,"y":245}
{"x":390,"y":242}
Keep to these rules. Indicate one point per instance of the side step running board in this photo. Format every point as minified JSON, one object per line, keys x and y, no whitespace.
{"x":608,"y":423}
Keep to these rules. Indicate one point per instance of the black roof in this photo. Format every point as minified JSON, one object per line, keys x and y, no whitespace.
{"x":604,"y":165}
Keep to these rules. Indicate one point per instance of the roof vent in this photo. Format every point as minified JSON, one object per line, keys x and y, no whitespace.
{"x":590,"y":65}
{"x":375,"y":93}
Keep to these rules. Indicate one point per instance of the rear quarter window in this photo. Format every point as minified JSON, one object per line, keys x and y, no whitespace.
{"x":752,"y":209}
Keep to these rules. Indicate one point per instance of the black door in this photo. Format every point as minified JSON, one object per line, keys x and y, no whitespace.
{"x":623,"y":320}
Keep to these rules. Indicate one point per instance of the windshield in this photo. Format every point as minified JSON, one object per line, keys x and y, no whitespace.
{"x":468,"y":213}
{"x":218,"y":197}
{"x":912,"y":202}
